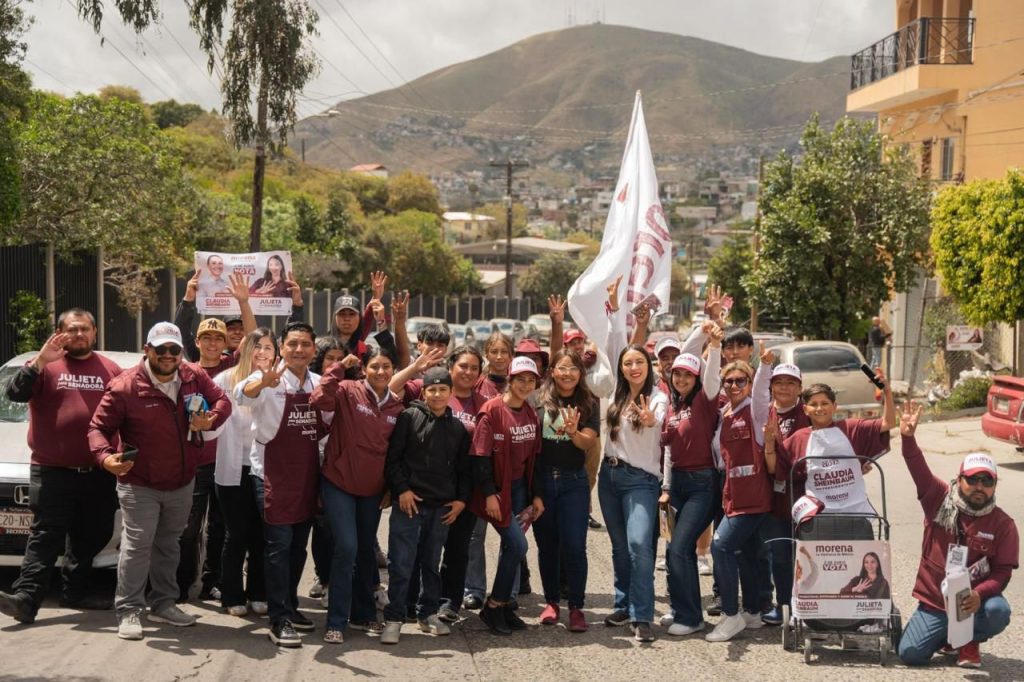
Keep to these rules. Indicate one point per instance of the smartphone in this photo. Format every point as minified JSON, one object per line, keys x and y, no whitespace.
{"x":960,"y":596}
{"x":871,"y":375}
{"x":651,"y":301}
{"x":130,"y":453}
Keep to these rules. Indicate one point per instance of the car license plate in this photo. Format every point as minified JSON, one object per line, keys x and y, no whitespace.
{"x":1001,"y":405}
{"x":15,"y":521}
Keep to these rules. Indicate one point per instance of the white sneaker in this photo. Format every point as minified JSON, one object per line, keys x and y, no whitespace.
{"x":172,"y":615}
{"x":129,"y":626}
{"x":239,"y":610}
{"x":667,"y":620}
{"x":727,"y":628}
{"x":258,"y":607}
{"x":753,"y":620}
{"x":435,"y":626}
{"x":679,"y":630}
{"x":703,"y":565}
{"x":392,"y":633}
{"x":661,"y":565}
{"x":380,"y":596}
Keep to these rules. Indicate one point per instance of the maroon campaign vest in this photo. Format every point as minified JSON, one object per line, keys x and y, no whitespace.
{"x":748,"y":490}
{"x":291,"y":464}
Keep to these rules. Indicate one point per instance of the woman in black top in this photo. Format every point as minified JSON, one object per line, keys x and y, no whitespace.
{"x":570,"y":423}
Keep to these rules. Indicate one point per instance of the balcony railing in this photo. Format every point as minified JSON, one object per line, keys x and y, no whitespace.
{"x":928,"y":40}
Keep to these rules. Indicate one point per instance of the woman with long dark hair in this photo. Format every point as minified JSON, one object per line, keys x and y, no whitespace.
{"x":870,"y":583}
{"x":629,"y":483}
{"x":691,"y":482}
{"x":274,"y":282}
{"x":570,"y":422}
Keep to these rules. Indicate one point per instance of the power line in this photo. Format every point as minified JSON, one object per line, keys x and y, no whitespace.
{"x":205,"y":72}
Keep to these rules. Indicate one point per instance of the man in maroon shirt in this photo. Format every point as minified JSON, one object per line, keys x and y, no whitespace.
{"x":73,"y":499}
{"x":961,"y":514}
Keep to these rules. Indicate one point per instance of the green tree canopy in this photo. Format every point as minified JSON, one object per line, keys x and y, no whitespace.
{"x":842,"y":228}
{"x":978,"y":242}
{"x":728,"y":267}
{"x":552,"y":273}
{"x":173,"y":113}
{"x":14,"y":94}
{"x":409,"y":190}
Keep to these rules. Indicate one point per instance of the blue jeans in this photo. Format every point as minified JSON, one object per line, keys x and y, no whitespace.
{"x":563,"y":528}
{"x":695,"y":495}
{"x":513,"y":548}
{"x":629,"y":504}
{"x":353,"y":520}
{"x":776,"y":543}
{"x":926,"y":632}
{"x":476,"y":566}
{"x":423,"y":535}
{"x":284,"y":557}
{"x":735,"y":550}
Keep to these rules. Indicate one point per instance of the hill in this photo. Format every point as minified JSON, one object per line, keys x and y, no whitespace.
{"x":565,"y":97}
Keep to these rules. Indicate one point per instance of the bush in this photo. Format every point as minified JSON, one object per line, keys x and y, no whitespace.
{"x":971,"y":392}
{"x":31,"y":321}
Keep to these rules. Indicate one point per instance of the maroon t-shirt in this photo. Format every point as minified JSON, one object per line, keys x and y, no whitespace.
{"x":519,"y":431}
{"x":490,"y":385}
{"x":64,"y":396}
{"x":228,"y":361}
{"x":466,"y":409}
{"x":688,"y":434}
{"x":790,"y":421}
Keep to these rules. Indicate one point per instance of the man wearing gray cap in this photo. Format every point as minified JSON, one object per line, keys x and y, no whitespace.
{"x":157,"y":408}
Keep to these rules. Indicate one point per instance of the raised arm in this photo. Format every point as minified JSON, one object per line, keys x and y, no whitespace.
{"x":616,"y":340}
{"x":240,"y":290}
{"x":298,"y":305}
{"x":761,"y":393}
{"x":712,"y":378}
{"x":556,"y":311}
{"x":432,"y":357}
{"x":642,"y":318}
{"x":888,"y":405}
{"x":185,"y":317}
{"x":325,"y":394}
{"x":399,"y":314}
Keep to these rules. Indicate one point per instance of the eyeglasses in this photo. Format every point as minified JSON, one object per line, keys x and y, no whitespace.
{"x":984,"y":479}
{"x":163,"y":350}
{"x":572,"y":369}
{"x":738,"y":382}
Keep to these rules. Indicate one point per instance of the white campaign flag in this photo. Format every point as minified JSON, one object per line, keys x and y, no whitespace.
{"x":636,"y":245}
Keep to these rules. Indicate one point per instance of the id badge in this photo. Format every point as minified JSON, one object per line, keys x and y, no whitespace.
{"x":195,"y":403}
{"x":956,"y":559}
{"x":779,"y":486}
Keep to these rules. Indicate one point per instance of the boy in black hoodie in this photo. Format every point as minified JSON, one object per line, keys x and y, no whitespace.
{"x":427,"y":471}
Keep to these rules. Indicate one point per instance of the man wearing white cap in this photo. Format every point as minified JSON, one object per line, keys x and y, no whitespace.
{"x":157,"y":408}
{"x":964,"y":530}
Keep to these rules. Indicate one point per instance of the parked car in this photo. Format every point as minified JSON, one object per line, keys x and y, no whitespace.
{"x":15,"y":460}
{"x":838,"y":365}
{"x":462,"y":334}
{"x":530,"y":331}
{"x":1004,"y":414}
{"x":665,"y":322}
{"x":481,"y":330}
{"x":771,"y":339}
{"x":514,"y":329}
{"x":543,"y":325}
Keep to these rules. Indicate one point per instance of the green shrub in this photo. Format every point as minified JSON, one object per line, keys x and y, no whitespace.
{"x":971,"y":392}
{"x":31,"y":321}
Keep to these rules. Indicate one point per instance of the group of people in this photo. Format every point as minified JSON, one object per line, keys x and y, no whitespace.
{"x":263,"y":439}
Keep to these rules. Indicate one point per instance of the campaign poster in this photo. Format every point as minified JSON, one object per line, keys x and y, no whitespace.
{"x":265,"y":273}
{"x":842,"y":579}
{"x":963,"y":337}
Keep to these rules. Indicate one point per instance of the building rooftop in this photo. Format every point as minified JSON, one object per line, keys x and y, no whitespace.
{"x":523,"y":246}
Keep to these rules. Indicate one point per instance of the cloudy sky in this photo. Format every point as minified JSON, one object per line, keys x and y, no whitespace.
{"x":372,"y":45}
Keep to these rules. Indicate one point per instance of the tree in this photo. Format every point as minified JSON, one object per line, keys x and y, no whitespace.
{"x":842,"y":229}
{"x":496,"y":230}
{"x":125,"y":93}
{"x":14,"y":94}
{"x":173,"y":113}
{"x":410,"y":190}
{"x":729,"y":266}
{"x":267,"y":62}
{"x":307,"y":216}
{"x":978,"y":242}
{"x":552,"y":273}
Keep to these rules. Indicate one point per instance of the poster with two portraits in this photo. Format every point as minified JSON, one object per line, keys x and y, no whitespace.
{"x":266,"y":276}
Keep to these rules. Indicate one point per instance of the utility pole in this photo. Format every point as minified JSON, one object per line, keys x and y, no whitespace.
{"x":757,"y":236}
{"x":510,"y":167}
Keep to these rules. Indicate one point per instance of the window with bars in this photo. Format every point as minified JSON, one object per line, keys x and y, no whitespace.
{"x":948,"y":158}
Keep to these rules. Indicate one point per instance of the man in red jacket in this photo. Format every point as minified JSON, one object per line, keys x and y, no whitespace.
{"x":72,"y":499}
{"x":959,"y":515}
{"x":157,"y":408}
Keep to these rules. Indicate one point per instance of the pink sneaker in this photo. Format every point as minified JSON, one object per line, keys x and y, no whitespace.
{"x":549,"y":616}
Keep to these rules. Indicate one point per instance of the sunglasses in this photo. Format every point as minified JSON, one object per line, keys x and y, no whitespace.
{"x":163,"y":350}
{"x":739,"y":382}
{"x":984,"y":479}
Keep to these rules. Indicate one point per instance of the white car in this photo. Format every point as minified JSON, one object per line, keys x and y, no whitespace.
{"x":15,"y":460}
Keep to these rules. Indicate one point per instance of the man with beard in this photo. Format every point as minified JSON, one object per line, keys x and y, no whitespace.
{"x":159,"y":409}
{"x":73,"y":499}
{"x":959,"y":515}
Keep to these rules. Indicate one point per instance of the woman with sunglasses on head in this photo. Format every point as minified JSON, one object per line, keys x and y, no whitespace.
{"x":353,"y":488}
{"x":629,"y":482}
{"x":691,"y":482}
{"x":242,"y":520}
{"x":570,"y":422}
{"x":746,"y":494}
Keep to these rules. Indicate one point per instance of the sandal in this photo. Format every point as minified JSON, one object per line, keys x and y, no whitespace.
{"x":334,"y":637}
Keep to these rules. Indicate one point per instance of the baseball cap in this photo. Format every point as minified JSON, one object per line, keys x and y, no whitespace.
{"x":164,"y":332}
{"x":786,"y":369}
{"x":212,"y":325}
{"x":522,"y":364}
{"x":437,"y":375}
{"x":806,"y":508}
{"x":232,"y":319}
{"x":667,"y":342}
{"x":531,"y":347}
{"x":346,"y":302}
{"x":978,"y":463}
{"x":572,"y":335}
{"x":691,"y":363}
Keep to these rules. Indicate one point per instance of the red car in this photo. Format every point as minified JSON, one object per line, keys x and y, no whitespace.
{"x":1004,"y":418}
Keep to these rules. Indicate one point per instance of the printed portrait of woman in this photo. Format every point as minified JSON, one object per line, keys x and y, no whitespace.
{"x":274,"y":282}
{"x":870,"y":583}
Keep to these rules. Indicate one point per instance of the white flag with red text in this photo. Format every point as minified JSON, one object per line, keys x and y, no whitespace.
{"x":636,"y":243}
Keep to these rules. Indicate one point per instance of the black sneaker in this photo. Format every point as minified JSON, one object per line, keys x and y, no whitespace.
{"x":642,"y":632}
{"x":514,"y":621}
{"x":594,"y":523}
{"x":90,"y":602}
{"x":472,"y":602}
{"x":617,"y":619}
{"x":17,"y":606}
{"x":382,"y":558}
{"x":448,"y":615}
{"x":410,"y":614}
{"x":283,"y":634}
{"x":524,"y":583}
{"x":715,"y":607}
{"x":494,"y":618}
{"x":301,"y":623}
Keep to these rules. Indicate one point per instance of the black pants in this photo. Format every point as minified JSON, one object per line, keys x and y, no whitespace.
{"x":243,"y":537}
{"x":204,"y":508}
{"x":73,"y":512}
{"x":323,"y":549}
{"x":455,"y":558}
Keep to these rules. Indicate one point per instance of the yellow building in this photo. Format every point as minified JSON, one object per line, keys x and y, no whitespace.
{"x":948,"y":84}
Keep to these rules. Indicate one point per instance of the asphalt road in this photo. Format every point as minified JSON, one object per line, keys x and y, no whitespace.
{"x":71,"y":645}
